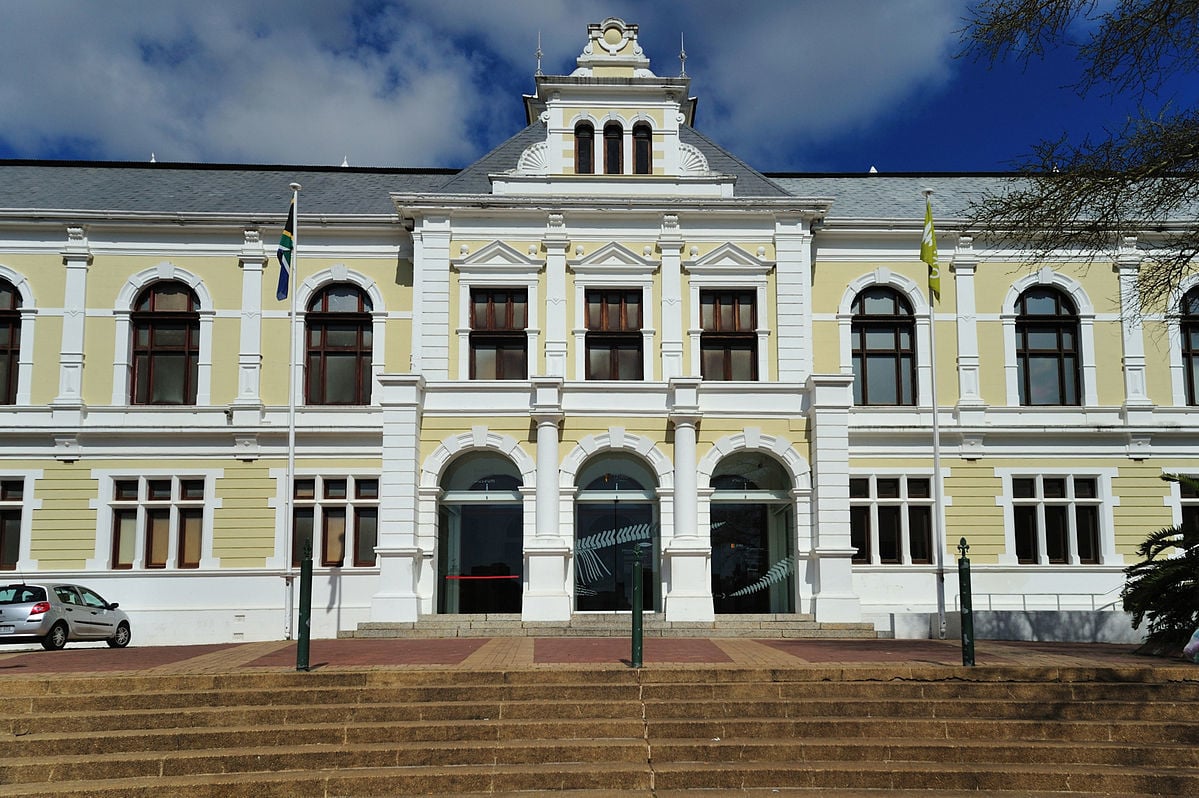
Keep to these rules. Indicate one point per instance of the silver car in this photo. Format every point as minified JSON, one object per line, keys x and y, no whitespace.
{"x":54,"y":613}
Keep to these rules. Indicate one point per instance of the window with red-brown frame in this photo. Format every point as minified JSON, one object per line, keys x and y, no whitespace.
{"x":643,"y":143}
{"x":157,"y":522}
{"x":613,"y":149}
{"x":729,"y":341}
{"x":614,"y":341}
{"x":12,"y":494}
{"x":338,"y":347}
{"x":584,"y":149}
{"x":339,"y":517}
{"x":499,"y":343}
{"x":10,"y":341}
{"x":165,"y":352}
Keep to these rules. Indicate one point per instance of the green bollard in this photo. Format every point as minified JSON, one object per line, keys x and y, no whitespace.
{"x":638,"y":604}
{"x":967,"y":605}
{"x":305,"y":609}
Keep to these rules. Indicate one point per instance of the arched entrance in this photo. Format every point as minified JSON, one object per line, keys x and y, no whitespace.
{"x":616,"y":510}
{"x":753,"y":536}
{"x":480,"y":539}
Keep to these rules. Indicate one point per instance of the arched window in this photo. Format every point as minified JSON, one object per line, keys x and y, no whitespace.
{"x":1047,"y":355}
{"x":753,"y":531}
{"x":165,"y":326}
{"x":10,"y":341}
{"x":884,"y":348}
{"x":616,"y":512}
{"x":643,"y":162}
{"x":613,"y":149}
{"x":480,"y":539}
{"x":338,"y":332}
{"x":584,"y":149}
{"x":1189,"y":329}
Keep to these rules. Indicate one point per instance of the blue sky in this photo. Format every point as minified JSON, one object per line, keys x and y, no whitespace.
{"x":789,"y":85}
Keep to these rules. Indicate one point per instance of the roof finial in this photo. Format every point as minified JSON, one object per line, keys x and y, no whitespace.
{"x":682,"y":57}
{"x":538,"y":73}
{"x":153,"y":159}
{"x":345,"y":161}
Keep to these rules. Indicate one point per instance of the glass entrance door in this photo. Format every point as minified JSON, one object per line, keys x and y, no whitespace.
{"x":480,"y":566}
{"x":608,"y":535}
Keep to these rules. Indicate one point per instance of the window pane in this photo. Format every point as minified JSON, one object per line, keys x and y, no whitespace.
{"x":707,"y":311}
{"x":598,"y":362}
{"x":124,"y":538}
{"x":366,"y":488}
{"x":880,"y":339}
{"x":880,"y":381}
{"x":1056,"y":532}
{"x":1053,"y":487}
{"x":158,"y":536}
{"x":745,"y":314}
{"x":158,"y":489}
{"x":10,"y":539}
{"x":191,"y":522}
{"x":742,"y":364}
{"x":366,"y":536}
{"x":1087,"y":523}
{"x":920,"y":533}
{"x":171,"y":298}
{"x":594,"y":310}
{"x":485,"y":362}
{"x":125,"y":490}
{"x":305,"y":489}
{"x":888,"y":488}
{"x":859,"y":488}
{"x":334,"y":538}
{"x":712,"y":363}
{"x":191,"y":489}
{"x":341,"y":378}
{"x":889,"y":535}
{"x":859,"y":533}
{"x":1040,"y":303}
{"x":170,"y":371}
{"x":919,"y":488}
{"x":513,"y":361}
{"x":1025,"y":519}
{"x":1024,"y":488}
{"x":1042,"y":339}
{"x":335,"y":489}
{"x":170,"y":335}
{"x":1085,"y":488}
{"x":520,"y":311}
{"x":878,"y":304}
{"x":343,"y":299}
{"x":302,"y":536}
{"x":341,"y":336}
{"x":629,"y":361}
{"x":726,"y":313}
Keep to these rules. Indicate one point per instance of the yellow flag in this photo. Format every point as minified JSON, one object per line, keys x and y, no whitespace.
{"x":928,"y":252}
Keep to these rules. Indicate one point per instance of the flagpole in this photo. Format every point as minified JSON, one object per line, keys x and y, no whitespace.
{"x":938,"y":487}
{"x":290,"y":488}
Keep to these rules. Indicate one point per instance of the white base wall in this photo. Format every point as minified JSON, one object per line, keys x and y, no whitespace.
{"x":1060,"y":626}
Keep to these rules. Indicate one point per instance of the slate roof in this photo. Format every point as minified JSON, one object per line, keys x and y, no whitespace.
{"x":64,"y":186}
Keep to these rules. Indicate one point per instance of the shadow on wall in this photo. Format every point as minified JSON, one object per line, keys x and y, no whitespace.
{"x":1064,"y":626}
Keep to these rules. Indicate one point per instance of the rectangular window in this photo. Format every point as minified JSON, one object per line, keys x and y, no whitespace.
{"x":499,"y":344}
{"x":891,"y":520}
{"x":614,"y":321}
{"x":11,"y":504}
{"x":729,"y":342}
{"x":345,"y":511}
{"x":1190,"y":506}
{"x":160,"y":517}
{"x":1056,"y":519}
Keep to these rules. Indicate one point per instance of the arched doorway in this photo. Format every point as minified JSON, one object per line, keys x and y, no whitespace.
{"x":616,"y":511}
{"x":480,"y":540}
{"x":753,"y":536}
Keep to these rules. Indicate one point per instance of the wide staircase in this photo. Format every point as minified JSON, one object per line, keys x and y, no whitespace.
{"x":615,"y":625}
{"x":656,"y":731}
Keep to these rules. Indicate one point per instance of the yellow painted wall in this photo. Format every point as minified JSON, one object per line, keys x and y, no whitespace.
{"x":243,"y":529}
{"x":63,"y":534}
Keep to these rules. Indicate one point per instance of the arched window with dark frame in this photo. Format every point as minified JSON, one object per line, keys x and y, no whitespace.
{"x":1188,"y":324}
{"x":643,"y":139}
{"x":165,"y":352}
{"x":884,"y":348}
{"x":339,"y":341}
{"x":1047,"y":354}
{"x":584,"y":149}
{"x":10,"y":341}
{"x":613,"y":149}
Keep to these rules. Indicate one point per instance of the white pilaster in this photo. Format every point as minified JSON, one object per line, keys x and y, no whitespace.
{"x":400,"y":557}
{"x":555,"y":244}
{"x":793,"y":280}
{"x":247,"y":408}
{"x":965,"y":267}
{"x":431,"y":297}
{"x":546,"y":597}
{"x":1128,"y":265}
{"x":76,"y":257}
{"x":828,"y":419}
{"x":670,"y":244}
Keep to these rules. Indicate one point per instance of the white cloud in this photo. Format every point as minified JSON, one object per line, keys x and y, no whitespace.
{"x":432,"y":83}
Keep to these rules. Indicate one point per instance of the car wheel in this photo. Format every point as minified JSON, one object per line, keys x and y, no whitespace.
{"x":121,"y":638}
{"x":57,"y":637}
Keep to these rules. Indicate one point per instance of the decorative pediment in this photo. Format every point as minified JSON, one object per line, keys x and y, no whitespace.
{"x":691,"y":160}
{"x":727,"y":257}
{"x":496,"y":256}
{"x":534,"y":160}
{"x":613,"y":257}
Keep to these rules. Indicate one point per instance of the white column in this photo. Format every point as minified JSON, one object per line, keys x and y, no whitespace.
{"x":76,"y":257}
{"x":793,"y":281}
{"x":431,"y":297}
{"x":965,"y":266}
{"x":247,"y":408}
{"x":670,"y":244}
{"x":686,"y":556}
{"x":400,"y":557}
{"x":546,"y":597}
{"x":555,"y":244}
{"x":828,"y":423}
{"x":1128,"y":265}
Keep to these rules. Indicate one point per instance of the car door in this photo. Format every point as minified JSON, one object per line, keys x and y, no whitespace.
{"x":97,"y":617}
{"x":70,"y":605}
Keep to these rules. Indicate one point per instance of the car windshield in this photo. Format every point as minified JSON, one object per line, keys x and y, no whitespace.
{"x":21,"y":594}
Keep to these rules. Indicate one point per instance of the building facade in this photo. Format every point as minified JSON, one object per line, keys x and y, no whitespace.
{"x":607,"y":335}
